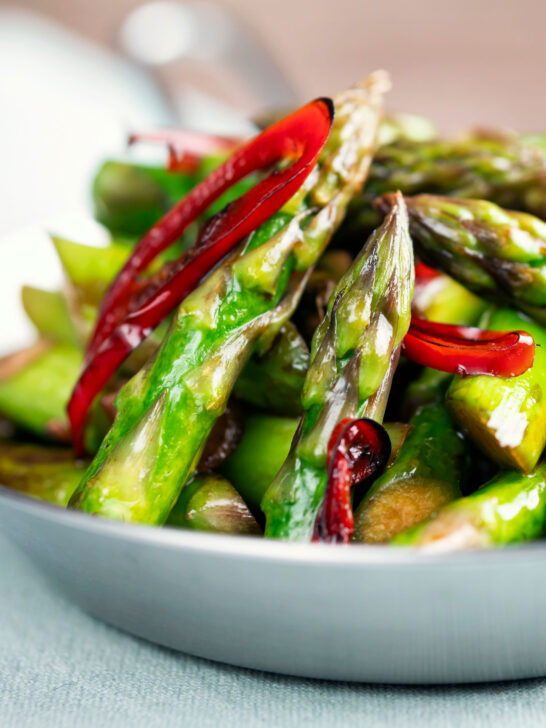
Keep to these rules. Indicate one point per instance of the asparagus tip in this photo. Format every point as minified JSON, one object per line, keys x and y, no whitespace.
{"x":388,"y":201}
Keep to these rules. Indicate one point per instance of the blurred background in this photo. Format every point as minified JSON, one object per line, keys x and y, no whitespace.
{"x":78,"y":75}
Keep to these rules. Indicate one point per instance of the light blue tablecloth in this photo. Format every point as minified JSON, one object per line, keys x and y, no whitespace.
{"x":59,"y":667}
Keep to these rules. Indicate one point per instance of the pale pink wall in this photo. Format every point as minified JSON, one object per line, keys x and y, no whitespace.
{"x":459,"y":62}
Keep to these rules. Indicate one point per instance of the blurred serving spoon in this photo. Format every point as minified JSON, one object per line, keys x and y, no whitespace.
{"x":156,"y":35}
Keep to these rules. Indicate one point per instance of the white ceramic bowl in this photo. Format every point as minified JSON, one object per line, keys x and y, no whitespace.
{"x":347,"y":613}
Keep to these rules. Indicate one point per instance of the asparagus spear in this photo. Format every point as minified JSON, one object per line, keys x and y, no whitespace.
{"x":211,"y":503}
{"x":354,"y":354}
{"x":503,"y":169}
{"x":506,"y":418}
{"x":167,"y":410}
{"x":424,"y":477}
{"x":322,"y":281}
{"x":497,"y":254}
{"x":47,"y":473}
{"x":274,"y":381}
{"x":508,"y":509}
{"x":496,"y":168}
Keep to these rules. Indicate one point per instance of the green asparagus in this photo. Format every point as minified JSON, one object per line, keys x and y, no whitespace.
{"x":502,"y":169}
{"x":211,"y":503}
{"x":354,"y":353}
{"x":498,"y":255}
{"x":508,"y":509}
{"x":424,"y":477}
{"x":165,"y":413}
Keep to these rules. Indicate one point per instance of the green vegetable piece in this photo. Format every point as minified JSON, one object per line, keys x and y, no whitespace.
{"x":506,"y":417}
{"x":47,"y":473}
{"x":429,"y":387}
{"x":509,"y":509}
{"x":167,"y":410}
{"x":501,"y":169}
{"x":130,"y":198}
{"x":89,"y":269}
{"x":497,"y":254}
{"x":263,"y":449}
{"x":354,"y":353}
{"x":424,"y":477}
{"x":409,"y":127}
{"x":322,"y":281}
{"x":49,"y":312}
{"x":211,"y":503}
{"x":444,"y":300}
{"x":35,"y":385}
{"x":274,"y":381}
{"x":398,"y":433}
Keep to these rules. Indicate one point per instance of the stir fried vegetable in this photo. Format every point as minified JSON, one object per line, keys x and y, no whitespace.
{"x":216,"y":329}
{"x":226,"y":362}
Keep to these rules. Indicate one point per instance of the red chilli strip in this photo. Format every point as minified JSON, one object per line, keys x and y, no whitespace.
{"x":300,"y":135}
{"x":357,"y":450}
{"x":468,"y":351}
{"x":186,"y":148}
{"x":424,"y":273}
{"x":128,"y":313}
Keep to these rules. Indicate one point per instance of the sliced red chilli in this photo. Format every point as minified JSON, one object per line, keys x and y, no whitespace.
{"x":358,"y":449}
{"x":468,"y":351}
{"x":131,"y":309}
{"x":186,"y":148}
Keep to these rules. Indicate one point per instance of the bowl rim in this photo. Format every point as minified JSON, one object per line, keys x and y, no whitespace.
{"x":282,"y":552}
